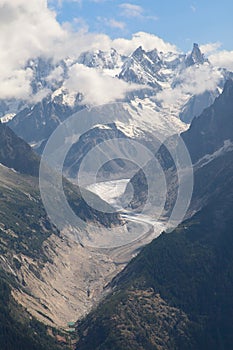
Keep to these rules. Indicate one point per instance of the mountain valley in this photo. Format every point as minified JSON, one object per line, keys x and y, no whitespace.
{"x":137,"y":147}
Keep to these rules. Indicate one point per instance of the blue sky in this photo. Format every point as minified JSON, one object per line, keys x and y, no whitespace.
{"x":180,"y":22}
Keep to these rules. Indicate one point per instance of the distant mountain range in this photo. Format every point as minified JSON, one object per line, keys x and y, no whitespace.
{"x":169,"y":89}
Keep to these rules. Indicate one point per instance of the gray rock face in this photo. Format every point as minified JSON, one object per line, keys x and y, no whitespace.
{"x":143,"y":68}
{"x":208,"y":132}
{"x":209,"y":142}
{"x":196,"y":104}
{"x":36,"y":123}
{"x":15,"y":153}
{"x":196,"y":57}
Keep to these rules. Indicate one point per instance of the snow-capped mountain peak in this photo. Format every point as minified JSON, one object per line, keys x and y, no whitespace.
{"x":142,"y":68}
{"x":171,"y":89}
{"x":196,"y":57}
{"x":101,"y":59}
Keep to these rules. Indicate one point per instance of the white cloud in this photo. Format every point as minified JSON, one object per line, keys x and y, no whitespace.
{"x":131,"y":10}
{"x":197,"y":80}
{"x":222,"y":59}
{"x":219,"y":58}
{"x":78,"y":24}
{"x":40,"y":95}
{"x":17,"y":84}
{"x":135,"y":11}
{"x":210,"y":48}
{"x":56,"y":75}
{"x":96,"y":87}
{"x":111,"y":22}
{"x":27,"y":30}
{"x":116,"y":24}
{"x":193,"y":81}
{"x":146,"y":40}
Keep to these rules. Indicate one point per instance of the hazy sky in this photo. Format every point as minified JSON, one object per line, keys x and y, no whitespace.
{"x":180,"y":22}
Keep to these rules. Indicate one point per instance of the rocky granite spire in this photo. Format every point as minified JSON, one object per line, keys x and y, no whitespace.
{"x":196,"y":56}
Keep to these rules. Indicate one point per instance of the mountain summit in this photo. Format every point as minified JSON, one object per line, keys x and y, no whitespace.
{"x":160,"y":98}
{"x":196,"y":57}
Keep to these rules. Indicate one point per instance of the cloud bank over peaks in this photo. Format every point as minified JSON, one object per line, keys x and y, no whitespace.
{"x":210,"y":48}
{"x":219,"y":58}
{"x":95,"y":87}
{"x":146,"y":40}
{"x":193,"y":80}
{"x":222,"y":59}
{"x":29,"y":29}
{"x":196,"y":80}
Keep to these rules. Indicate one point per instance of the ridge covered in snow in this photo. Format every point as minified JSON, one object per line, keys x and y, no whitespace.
{"x":159,"y":91}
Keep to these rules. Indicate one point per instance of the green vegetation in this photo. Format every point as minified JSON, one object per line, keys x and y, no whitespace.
{"x":18,"y":330}
{"x":24,"y":227}
{"x":190,"y":273}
